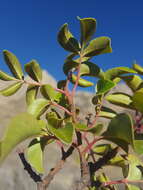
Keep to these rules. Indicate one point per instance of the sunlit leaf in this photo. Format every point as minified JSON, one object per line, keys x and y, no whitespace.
{"x":65,"y":133}
{"x":31,"y":93}
{"x":138,"y":68}
{"x":12,"y":89}
{"x":121,"y":128}
{"x":104,"y":86}
{"x":107,"y":112}
{"x":82,"y":82}
{"x":102,"y":149}
{"x":66,"y":39}
{"x":131,"y":187}
{"x":98,"y":46}
{"x":35,"y":154}
{"x":38,"y":107}
{"x":133,"y":81}
{"x":88,"y":27}
{"x":13,"y":64}
{"x":34,"y":71}
{"x":4,"y":76}
{"x":120,"y":99}
{"x":138,"y":100}
{"x":19,"y":129}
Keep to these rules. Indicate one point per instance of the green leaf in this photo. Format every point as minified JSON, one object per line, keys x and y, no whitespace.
{"x":138,"y":146}
{"x":13,"y":64}
{"x":117,"y":71}
{"x":88,"y":27}
{"x":69,"y":66}
{"x":98,"y":46}
{"x":35,"y":154}
{"x":82,"y":82}
{"x":4,"y":76}
{"x":65,"y":134}
{"x":12,"y":89}
{"x":120,"y":99}
{"x":107,"y":112}
{"x":31,"y":93}
{"x":102,"y":149}
{"x":131,"y":187}
{"x":34,"y":71}
{"x":121,"y":128}
{"x":38,"y":107}
{"x":91,"y":69}
{"x":138,"y":68}
{"x":138,"y":100}
{"x":67,"y":41}
{"x":21,"y":127}
{"x":48,"y":91}
{"x":96,"y":130}
{"x":133,"y":81}
{"x":117,"y":161}
{"x":133,"y":171}
{"x":104,"y":86}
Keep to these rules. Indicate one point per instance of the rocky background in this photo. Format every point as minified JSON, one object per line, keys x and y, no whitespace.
{"x":12,"y":175}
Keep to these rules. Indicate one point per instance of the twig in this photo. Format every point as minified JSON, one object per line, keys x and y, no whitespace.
{"x":105,"y":184}
{"x":61,"y":107}
{"x":36,"y":178}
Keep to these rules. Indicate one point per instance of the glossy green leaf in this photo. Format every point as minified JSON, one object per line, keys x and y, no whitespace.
{"x":13,"y":64}
{"x":33,"y":70}
{"x":131,"y":187}
{"x":133,"y":171}
{"x":65,"y":133}
{"x":117,"y":161}
{"x":91,"y":69}
{"x":133,"y":81}
{"x":104,"y":86}
{"x":121,"y":128}
{"x":102,"y":149}
{"x":138,"y":68}
{"x":12,"y":89}
{"x":138,"y":146}
{"x":88,"y":27}
{"x":98,"y":46}
{"x":138,"y":100}
{"x":69,"y":66}
{"x":31,"y":93}
{"x":48,"y":91}
{"x":120,"y":99}
{"x":96,"y":130}
{"x":67,"y":41}
{"x":20,"y":128}
{"x":82,"y":82}
{"x":4,"y":76}
{"x":107,"y":112}
{"x":38,"y":107}
{"x":117,"y":71}
{"x":35,"y":154}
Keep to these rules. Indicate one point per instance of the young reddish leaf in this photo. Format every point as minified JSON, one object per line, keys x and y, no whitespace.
{"x":67,"y":41}
{"x":20,"y":128}
{"x":88,"y":28}
{"x":4,"y":76}
{"x":13,"y":64}
{"x":12,"y":89}
{"x":34,"y":71}
{"x":98,"y":46}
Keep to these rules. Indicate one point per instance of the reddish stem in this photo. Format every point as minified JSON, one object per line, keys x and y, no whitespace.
{"x":61,"y":107}
{"x":121,"y":181}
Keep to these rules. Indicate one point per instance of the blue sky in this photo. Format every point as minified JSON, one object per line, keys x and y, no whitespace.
{"x":29,"y":29}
